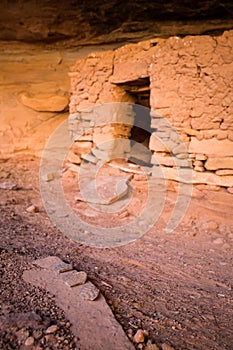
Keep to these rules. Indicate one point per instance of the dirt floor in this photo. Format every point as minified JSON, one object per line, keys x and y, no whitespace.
{"x":177,"y":287}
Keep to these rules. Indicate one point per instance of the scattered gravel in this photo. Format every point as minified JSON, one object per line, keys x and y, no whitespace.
{"x":29,"y":317}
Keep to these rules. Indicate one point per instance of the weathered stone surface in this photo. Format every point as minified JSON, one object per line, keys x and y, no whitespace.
{"x":73,"y":158}
{"x":190,"y":97}
{"x":104,"y":189}
{"x":223,"y":172}
{"x":52,"y":21}
{"x":89,"y":292}
{"x":200,"y":156}
{"x":170,"y":161}
{"x":82,"y":147}
{"x":131,"y":69}
{"x":104,"y":141}
{"x":198,"y":163}
{"x":203,"y":62}
{"x":35,"y":71}
{"x":93,"y":322}
{"x":191,"y":132}
{"x":114,"y":148}
{"x":199,"y":168}
{"x":111,"y":142}
{"x":129,"y":168}
{"x":104,"y":155}
{"x":180,"y":84}
{"x":167,"y":161}
{"x":199,"y":178}
{"x":53,"y":263}
{"x":141,"y":153}
{"x":156,"y":145}
{"x":45,"y":103}
{"x":219,"y":163}
{"x":208,"y":188}
{"x":74,"y":278}
{"x":89,"y":158}
{"x":214,"y":147}
{"x":62,"y":267}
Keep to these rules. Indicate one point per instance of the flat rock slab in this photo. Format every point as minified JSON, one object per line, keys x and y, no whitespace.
{"x":45,"y":102}
{"x":104,"y":189}
{"x":91,"y":317}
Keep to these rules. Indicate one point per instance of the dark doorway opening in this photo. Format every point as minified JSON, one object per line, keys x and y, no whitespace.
{"x":139,"y":90}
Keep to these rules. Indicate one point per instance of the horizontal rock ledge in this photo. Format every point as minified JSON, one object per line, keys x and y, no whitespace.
{"x":196,"y":177}
{"x":44,"y":102}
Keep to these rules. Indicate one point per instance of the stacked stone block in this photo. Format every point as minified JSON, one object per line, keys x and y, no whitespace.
{"x":191,"y":86}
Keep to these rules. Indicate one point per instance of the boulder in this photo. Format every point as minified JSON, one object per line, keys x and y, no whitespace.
{"x":44,"y":102}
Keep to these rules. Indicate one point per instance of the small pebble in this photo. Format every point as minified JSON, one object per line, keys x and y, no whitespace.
{"x":52,"y":329}
{"x":29,"y":341}
{"x":221,"y":295}
{"x":139,"y":337}
{"x":37,"y":334}
{"x":32,"y":209}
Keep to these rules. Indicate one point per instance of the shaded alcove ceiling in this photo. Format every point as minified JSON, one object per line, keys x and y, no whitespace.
{"x":85,"y":21}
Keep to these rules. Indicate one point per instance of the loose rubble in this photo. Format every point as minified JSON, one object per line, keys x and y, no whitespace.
{"x":139,"y":337}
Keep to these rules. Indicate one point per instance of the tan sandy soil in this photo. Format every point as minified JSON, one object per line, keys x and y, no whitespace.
{"x":177,"y":287}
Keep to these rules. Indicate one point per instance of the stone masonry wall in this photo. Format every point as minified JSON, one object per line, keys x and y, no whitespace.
{"x":191,"y":85}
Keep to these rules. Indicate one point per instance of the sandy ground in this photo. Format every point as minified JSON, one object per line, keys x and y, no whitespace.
{"x":177,"y":287}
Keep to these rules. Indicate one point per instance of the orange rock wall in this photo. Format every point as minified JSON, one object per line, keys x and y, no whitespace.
{"x":34,"y":94}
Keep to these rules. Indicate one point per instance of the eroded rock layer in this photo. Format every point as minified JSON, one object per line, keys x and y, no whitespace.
{"x":105,"y":21}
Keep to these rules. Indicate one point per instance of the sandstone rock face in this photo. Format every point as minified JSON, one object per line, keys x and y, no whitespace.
{"x":79,"y":22}
{"x":189,"y":88}
{"x":45,"y":102}
{"x":34,"y":94}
